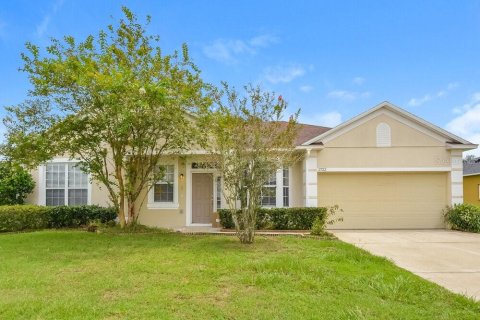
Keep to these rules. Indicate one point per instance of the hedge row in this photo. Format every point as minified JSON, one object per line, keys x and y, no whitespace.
{"x":30,"y":217}
{"x":465,"y":217}
{"x":279,"y":218}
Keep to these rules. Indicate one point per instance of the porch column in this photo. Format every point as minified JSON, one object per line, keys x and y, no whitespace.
{"x":310,"y":171}
{"x":456,"y":177}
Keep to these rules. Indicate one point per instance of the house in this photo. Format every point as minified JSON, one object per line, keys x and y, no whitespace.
{"x":471,"y":181}
{"x":386,"y":168}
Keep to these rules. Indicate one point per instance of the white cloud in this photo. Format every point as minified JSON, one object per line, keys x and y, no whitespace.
{"x":467,"y":123}
{"x":229,"y":50}
{"x":306,"y":88}
{"x":453,"y":85}
{"x":359,"y":80}
{"x":43,"y":26}
{"x":283,"y":74}
{"x":415,"y":102}
{"x":328,"y":119}
{"x":263,"y":40}
{"x":348,"y":95}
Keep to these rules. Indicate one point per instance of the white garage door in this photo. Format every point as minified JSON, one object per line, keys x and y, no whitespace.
{"x":385,"y":200}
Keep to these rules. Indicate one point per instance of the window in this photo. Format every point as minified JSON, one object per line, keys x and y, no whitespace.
{"x":276,"y":191}
{"x":163,"y":190}
{"x":384,"y":138}
{"x":269,"y":191}
{"x":65,"y":184}
{"x":218,"y":192}
{"x":286,"y":187}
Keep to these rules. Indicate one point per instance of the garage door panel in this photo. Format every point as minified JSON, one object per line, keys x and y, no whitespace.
{"x":385,"y":201}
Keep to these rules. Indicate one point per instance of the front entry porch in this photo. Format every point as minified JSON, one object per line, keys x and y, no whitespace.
{"x":203,"y":194}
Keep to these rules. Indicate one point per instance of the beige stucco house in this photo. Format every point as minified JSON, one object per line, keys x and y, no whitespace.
{"x":386,"y":168}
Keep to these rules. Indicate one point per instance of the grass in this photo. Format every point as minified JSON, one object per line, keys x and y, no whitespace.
{"x":80,"y":275}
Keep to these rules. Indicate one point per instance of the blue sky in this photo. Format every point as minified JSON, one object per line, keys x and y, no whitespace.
{"x":332,"y":59}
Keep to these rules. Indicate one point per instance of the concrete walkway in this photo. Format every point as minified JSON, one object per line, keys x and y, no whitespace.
{"x":448,"y":258}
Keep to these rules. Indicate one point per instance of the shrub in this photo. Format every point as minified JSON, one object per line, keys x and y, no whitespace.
{"x":76,"y":216}
{"x":226,"y":219}
{"x":30,"y":217}
{"x":15,"y":183}
{"x":465,"y":217}
{"x":279,"y":218}
{"x":23,"y":217}
{"x":319,"y":224}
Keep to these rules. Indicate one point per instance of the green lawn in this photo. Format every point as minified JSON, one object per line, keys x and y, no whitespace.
{"x":79,"y":275}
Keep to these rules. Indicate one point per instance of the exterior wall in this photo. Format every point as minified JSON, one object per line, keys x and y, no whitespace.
{"x":470,"y":189}
{"x":177,"y":216}
{"x":412,"y":149}
{"x":409,"y":148}
{"x":296,"y":185}
{"x":33,"y":197}
{"x":165,"y":217}
{"x":99,"y":195}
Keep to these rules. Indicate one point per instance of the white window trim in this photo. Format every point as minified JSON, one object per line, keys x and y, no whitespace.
{"x":279,"y":189}
{"x":222,"y":200}
{"x":42,"y":188}
{"x":151,"y":204}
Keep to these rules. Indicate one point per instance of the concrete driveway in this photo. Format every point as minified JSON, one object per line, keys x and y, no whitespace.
{"x":448,"y":258}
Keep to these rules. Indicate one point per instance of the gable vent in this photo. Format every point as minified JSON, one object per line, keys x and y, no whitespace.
{"x":384,"y":138}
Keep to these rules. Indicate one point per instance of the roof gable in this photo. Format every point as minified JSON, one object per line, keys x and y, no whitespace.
{"x":420,"y":124}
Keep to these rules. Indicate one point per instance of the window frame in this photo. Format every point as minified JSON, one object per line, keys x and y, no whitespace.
{"x":152,"y":204}
{"x":218,"y":192}
{"x":279,"y":187}
{"x":42,"y":178}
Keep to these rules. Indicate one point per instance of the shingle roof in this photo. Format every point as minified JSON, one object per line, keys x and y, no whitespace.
{"x":471,"y":167}
{"x":307,"y":132}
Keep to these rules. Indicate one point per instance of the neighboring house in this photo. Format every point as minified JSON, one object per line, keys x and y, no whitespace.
{"x":471,"y":181}
{"x":386,"y":168}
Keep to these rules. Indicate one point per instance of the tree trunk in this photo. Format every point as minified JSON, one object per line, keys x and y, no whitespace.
{"x":132,"y":218}
{"x":121,"y":187}
{"x":121,"y":212}
{"x":246,"y":225}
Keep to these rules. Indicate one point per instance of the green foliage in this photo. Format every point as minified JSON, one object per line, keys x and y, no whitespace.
{"x":112,"y":94}
{"x":318,"y":227}
{"x":250,"y":142}
{"x":15,"y":183}
{"x":320,"y":223}
{"x":76,"y":216}
{"x":280,"y":218}
{"x":226,"y":219}
{"x":23,"y":217}
{"x":30,"y":217}
{"x":465,"y":217}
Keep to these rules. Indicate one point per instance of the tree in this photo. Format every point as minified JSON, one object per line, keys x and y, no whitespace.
{"x":15,"y":183}
{"x":115,"y":102}
{"x":470,"y":158}
{"x":250,"y":142}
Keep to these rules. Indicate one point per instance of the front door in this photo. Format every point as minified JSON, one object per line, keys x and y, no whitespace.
{"x":202,"y":197}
